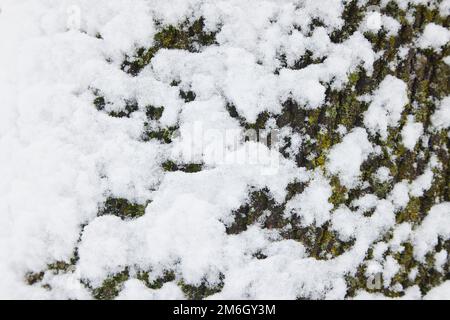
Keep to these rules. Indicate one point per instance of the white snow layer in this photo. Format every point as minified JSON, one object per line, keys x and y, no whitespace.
{"x":411,"y":133}
{"x":441,"y":117}
{"x":434,"y":36}
{"x":441,"y":292}
{"x":346,"y":157}
{"x":61,"y":157}
{"x":386,"y":106}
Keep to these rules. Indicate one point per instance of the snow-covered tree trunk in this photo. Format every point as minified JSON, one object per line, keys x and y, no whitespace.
{"x":358,"y":93}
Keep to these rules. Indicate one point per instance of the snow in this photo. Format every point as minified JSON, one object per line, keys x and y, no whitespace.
{"x":440,"y":259}
{"x":412,"y":293}
{"x":421,"y":184}
{"x":375,"y":21}
{"x":61,"y":158}
{"x":365,"y":203}
{"x":441,"y":117}
{"x":411,"y":133}
{"x":344,"y":221}
{"x":444,"y":8}
{"x":390,"y":269}
{"x":401,"y":234}
{"x":434,"y":36}
{"x":400,"y":194}
{"x":387,"y":105}
{"x":134,"y":289}
{"x":435,"y":224}
{"x":383,"y":174}
{"x":312,"y":205}
{"x":441,"y":292}
{"x":346,"y":157}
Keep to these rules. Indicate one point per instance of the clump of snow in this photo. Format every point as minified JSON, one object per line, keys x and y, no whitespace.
{"x":312,"y":205}
{"x":365,"y":203}
{"x":379,"y":250}
{"x":401,"y":234}
{"x":440,"y":258}
{"x":435,"y":224}
{"x":434,"y":36}
{"x":390,"y":269}
{"x":387,"y":105}
{"x":422,"y":183}
{"x":344,"y":221}
{"x":441,"y":292}
{"x":400,"y":194}
{"x":447,"y":60}
{"x":413,"y":274}
{"x":444,"y":8}
{"x":345,"y":158}
{"x":411,"y":133}
{"x":383,"y":174}
{"x":441,"y":117}
{"x":375,"y":21}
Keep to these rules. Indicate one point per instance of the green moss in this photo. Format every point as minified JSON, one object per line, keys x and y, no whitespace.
{"x":353,"y":78}
{"x":306,"y":60}
{"x":407,"y":263}
{"x":231,"y":108}
{"x":154,"y":113}
{"x":352,"y":16}
{"x":199,"y":292}
{"x":192,"y":167}
{"x":318,"y":127}
{"x":339,"y":192}
{"x":327,"y":245}
{"x":292,"y":115}
{"x":60,"y":266}
{"x":130,"y":107}
{"x":440,"y":188}
{"x":411,"y":213}
{"x":313,"y":117}
{"x":323,"y":144}
{"x":187,"y":36}
{"x":392,"y":9}
{"x":111,"y":287}
{"x":122,"y":208}
{"x":261,"y":208}
{"x":164,"y":135}
{"x":34,"y":277}
{"x":294,"y":188}
{"x":370,"y":167}
{"x":426,"y":76}
{"x":171,"y":166}
{"x":168,"y":276}
{"x":187,"y":96}
{"x":355,"y":282}
{"x":321,"y":242}
{"x":260,"y":122}
{"x":172,"y":37}
{"x":99,"y":103}
{"x":427,"y":277}
{"x":244,"y":217}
